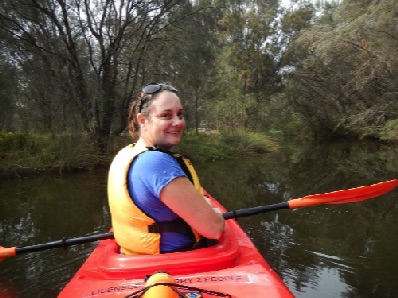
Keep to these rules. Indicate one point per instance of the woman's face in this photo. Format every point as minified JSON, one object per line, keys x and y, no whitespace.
{"x":165,"y":124}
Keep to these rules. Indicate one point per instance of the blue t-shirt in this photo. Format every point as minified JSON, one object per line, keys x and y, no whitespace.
{"x":148,"y":174}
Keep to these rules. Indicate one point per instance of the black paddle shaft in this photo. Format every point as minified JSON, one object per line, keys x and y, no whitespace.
{"x":255,"y":210}
{"x":63,"y":243}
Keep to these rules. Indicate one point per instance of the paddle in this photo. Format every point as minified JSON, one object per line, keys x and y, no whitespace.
{"x":352,"y":195}
{"x":64,"y":243}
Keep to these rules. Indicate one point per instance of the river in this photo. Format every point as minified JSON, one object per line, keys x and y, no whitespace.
{"x":348,"y":250}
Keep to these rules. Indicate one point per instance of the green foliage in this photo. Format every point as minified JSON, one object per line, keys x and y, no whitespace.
{"x":390,"y":130}
{"x":298,"y":20}
{"x":201,"y":147}
{"x":215,"y":146}
{"x":289,"y":125}
{"x":344,"y":80}
{"x":17,"y":143}
{"x":8,"y":91}
{"x":244,"y":142}
{"x":329,"y":69}
{"x":23,"y":152}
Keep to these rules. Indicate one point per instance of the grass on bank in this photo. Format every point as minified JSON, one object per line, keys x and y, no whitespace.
{"x":29,"y":153}
{"x":217,"y":146}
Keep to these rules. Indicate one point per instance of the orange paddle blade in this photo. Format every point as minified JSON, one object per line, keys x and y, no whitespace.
{"x":352,"y":195}
{"x":7,"y":252}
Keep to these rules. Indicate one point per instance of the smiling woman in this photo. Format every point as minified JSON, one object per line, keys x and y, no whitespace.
{"x":161,"y":208}
{"x":164,"y":124}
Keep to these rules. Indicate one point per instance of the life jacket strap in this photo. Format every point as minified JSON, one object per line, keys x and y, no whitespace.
{"x":177,"y":225}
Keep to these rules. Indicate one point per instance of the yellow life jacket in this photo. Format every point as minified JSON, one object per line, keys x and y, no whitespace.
{"x":134,"y":231}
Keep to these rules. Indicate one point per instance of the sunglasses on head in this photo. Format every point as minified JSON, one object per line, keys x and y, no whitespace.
{"x":152,"y":88}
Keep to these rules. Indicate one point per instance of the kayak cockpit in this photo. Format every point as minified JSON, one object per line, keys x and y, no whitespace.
{"x":114,"y":265}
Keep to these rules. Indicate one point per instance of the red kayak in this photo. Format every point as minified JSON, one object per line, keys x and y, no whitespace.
{"x":231,"y":268}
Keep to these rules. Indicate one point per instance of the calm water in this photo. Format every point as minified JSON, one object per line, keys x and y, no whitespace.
{"x":348,"y":250}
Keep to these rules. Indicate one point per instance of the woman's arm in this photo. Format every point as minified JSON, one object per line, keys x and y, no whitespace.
{"x":182,"y":197}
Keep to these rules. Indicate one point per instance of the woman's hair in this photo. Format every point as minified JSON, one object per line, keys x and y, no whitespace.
{"x":141,"y":105}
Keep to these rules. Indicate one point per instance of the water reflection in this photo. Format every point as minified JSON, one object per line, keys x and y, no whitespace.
{"x":346,"y":250}
{"x":327,"y":251}
{"x":44,"y":209}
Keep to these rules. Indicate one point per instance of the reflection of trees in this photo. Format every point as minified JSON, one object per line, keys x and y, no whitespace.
{"x":17,"y":229}
{"x":73,"y":204}
{"x":356,"y":242}
{"x":44,"y":209}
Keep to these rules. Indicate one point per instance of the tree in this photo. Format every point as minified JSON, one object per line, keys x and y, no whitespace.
{"x":98,"y":45}
{"x":247,"y":63}
{"x":8,"y":95}
{"x":342,"y":84}
{"x":191,"y":57}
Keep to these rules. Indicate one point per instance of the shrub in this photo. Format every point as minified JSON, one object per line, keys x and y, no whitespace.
{"x":24,"y":152}
{"x":216,"y":146}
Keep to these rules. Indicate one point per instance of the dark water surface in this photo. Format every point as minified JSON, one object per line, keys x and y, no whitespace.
{"x":348,"y":250}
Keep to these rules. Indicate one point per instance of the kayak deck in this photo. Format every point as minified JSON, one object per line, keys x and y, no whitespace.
{"x":233,"y":266}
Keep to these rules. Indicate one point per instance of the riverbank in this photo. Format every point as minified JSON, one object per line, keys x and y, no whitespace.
{"x":26,"y":154}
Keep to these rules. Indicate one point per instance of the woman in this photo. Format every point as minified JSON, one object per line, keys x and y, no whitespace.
{"x":156,"y":202}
